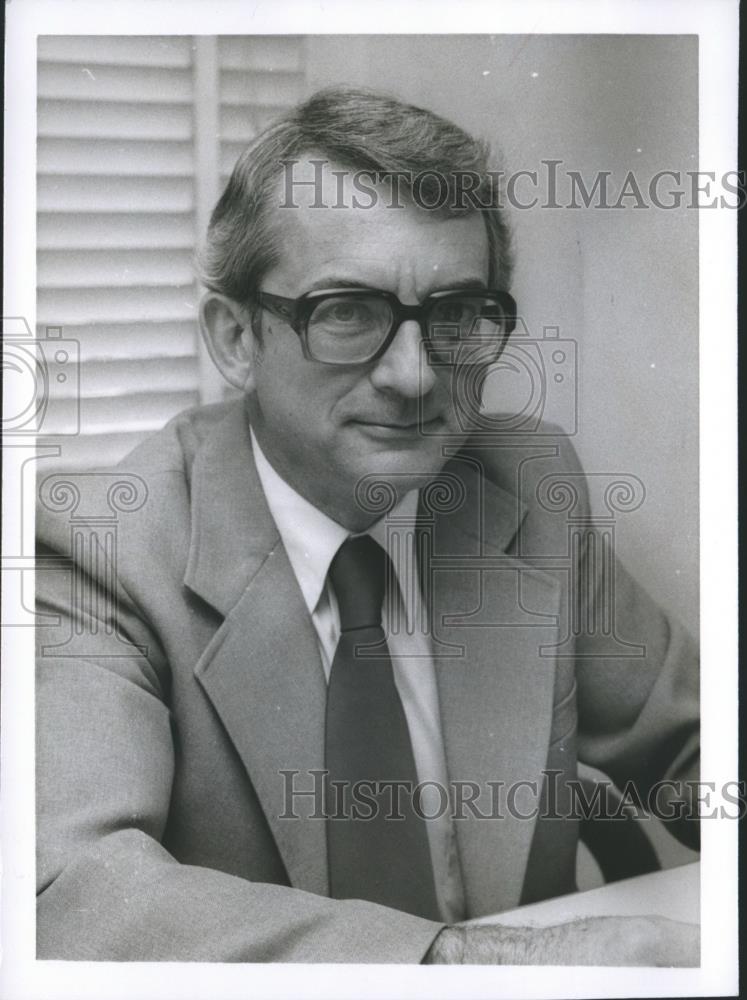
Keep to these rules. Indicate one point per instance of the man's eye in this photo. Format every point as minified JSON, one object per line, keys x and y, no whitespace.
{"x":346,"y":312}
{"x":343,"y":313}
{"x":451,"y":312}
{"x":454,"y":318}
{"x":459,"y":311}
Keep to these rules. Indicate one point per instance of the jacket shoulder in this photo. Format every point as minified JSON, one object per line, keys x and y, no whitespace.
{"x":173,"y":448}
{"x":519,"y":462}
{"x":147,"y":492}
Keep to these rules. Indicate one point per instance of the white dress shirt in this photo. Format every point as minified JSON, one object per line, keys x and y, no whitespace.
{"x":311,"y":539}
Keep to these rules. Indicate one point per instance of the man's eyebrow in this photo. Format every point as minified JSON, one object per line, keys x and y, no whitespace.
{"x":334,"y":282}
{"x":463,"y":283}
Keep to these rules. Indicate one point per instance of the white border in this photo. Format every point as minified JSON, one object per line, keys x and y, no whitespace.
{"x":716,"y":22}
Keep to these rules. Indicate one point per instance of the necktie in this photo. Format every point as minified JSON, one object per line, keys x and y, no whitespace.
{"x":372,"y":855}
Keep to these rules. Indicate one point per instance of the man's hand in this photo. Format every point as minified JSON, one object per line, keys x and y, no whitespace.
{"x":647,"y":941}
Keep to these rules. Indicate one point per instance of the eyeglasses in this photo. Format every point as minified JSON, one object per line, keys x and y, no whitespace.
{"x":355,"y":326}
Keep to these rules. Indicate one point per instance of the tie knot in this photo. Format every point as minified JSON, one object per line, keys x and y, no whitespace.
{"x":358,"y":574}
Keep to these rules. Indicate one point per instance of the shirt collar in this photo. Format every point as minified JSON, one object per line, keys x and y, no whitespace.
{"x":311,"y":538}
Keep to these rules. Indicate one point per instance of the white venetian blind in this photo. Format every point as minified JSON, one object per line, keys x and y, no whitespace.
{"x":135,"y":137}
{"x":268,"y":68}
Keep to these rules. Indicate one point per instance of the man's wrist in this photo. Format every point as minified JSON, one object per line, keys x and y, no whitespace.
{"x":447,"y":948}
{"x":491,"y":944}
{"x":650,"y":941}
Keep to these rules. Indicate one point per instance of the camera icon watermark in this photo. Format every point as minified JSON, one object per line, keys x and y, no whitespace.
{"x":533,"y":382}
{"x":41,"y":376}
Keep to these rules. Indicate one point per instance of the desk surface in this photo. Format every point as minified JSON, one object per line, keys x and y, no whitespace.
{"x":674,"y":893}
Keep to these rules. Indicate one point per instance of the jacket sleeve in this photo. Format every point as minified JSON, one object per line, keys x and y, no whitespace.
{"x":639,"y":716}
{"x":107,"y":888}
{"x":638,"y":711}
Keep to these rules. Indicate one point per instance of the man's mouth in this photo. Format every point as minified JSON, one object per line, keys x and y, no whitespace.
{"x":402,"y":426}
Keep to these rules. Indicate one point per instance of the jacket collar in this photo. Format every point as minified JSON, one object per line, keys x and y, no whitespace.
{"x":232,"y":530}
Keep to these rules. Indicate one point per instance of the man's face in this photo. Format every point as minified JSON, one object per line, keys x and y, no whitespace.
{"x":323,"y":427}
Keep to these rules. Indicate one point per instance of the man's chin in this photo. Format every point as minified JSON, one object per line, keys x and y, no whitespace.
{"x":399,"y":468}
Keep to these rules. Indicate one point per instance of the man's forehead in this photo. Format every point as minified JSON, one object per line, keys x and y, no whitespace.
{"x":312,"y":179}
{"x":331,"y":218}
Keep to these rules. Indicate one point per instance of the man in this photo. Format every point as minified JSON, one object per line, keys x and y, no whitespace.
{"x":333,"y":589}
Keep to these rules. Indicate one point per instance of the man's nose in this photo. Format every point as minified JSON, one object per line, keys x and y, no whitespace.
{"x":404,"y":367}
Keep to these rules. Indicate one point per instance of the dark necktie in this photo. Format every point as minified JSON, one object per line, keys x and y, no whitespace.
{"x":385,"y":860}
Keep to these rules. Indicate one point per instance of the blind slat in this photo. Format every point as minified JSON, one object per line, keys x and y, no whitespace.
{"x":121,"y":50}
{"x":80,"y":82}
{"x":67,"y":307}
{"x":259,"y":88}
{"x":241,"y":124}
{"x":127,"y":341}
{"x":132,"y":377}
{"x":136,"y":157}
{"x":115,"y":194}
{"x":265,"y":52}
{"x":107,"y":268}
{"x":102,"y":230}
{"x":110,"y":120}
{"x":133,"y":412}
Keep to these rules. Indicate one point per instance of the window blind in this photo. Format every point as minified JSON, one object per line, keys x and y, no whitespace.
{"x":129,"y":131}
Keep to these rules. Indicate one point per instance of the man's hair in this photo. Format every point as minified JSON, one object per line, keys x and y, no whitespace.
{"x":361,"y":130}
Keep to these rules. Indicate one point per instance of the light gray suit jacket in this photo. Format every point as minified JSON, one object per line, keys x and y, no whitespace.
{"x":186,"y":678}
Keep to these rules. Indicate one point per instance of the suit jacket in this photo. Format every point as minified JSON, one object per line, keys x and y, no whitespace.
{"x":179,"y":676}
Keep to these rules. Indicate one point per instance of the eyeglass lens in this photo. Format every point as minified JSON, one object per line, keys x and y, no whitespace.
{"x":352,"y":328}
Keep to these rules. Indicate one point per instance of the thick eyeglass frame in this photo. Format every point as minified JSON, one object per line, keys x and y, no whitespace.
{"x":297,"y":312}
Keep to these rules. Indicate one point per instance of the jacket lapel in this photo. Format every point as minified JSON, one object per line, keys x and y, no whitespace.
{"x":261,"y":671}
{"x":490,"y":613}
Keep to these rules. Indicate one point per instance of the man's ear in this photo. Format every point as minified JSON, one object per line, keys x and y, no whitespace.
{"x":227,"y":332}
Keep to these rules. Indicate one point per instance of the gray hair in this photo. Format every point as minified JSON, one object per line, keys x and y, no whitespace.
{"x":362,"y":130}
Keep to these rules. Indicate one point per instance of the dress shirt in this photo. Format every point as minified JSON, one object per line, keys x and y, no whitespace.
{"x":311,"y":539}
